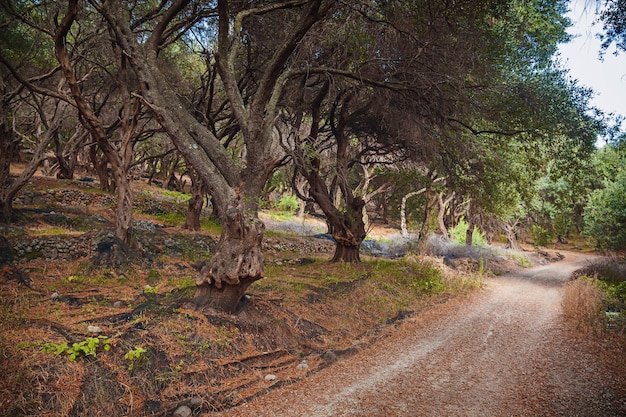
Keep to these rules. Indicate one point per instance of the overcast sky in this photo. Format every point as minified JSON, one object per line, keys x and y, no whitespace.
{"x":607,"y":78}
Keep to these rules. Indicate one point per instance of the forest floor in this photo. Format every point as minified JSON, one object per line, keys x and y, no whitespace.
{"x":503,"y":352}
{"x":119,"y":340}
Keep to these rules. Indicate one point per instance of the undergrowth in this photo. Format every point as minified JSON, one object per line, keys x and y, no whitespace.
{"x":155,"y":352}
{"x":595,"y":301}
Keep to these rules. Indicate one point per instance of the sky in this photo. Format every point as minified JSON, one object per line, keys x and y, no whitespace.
{"x":608,"y":77}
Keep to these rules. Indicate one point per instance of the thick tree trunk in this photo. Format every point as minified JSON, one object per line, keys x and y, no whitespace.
{"x":192,"y":218}
{"x":123,"y":209}
{"x":100,"y":165}
{"x":66,"y":162}
{"x":236,"y":264}
{"x":348,"y":230}
{"x":511,"y":236}
{"x":346,"y":253}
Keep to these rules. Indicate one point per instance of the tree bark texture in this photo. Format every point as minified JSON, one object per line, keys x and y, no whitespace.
{"x":237,"y":261}
{"x":194,"y":210}
{"x":511,"y":235}
{"x":348,"y":230}
{"x":236,"y":264}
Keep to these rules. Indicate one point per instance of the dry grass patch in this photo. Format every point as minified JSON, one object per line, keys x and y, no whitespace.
{"x":582,"y":305}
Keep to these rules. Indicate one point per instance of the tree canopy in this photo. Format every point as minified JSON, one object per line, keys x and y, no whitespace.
{"x":465,"y":93}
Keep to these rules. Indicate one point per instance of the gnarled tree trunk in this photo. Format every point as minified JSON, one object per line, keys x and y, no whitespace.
{"x":192,"y":218}
{"x":123,"y":207}
{"x":236,"y":264}
{"x":511,"y":235}
{"x":348,"y":230}
{"x":443,"y":208}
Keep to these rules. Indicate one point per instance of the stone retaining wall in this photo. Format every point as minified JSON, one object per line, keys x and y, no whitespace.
{"x":52,"y":248}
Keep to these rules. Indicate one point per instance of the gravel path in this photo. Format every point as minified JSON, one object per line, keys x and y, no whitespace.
{"x":502,"y":353}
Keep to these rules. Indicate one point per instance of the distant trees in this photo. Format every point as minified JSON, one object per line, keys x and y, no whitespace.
{"x":28,"y":119}
{"x":83,"y":69}
{"x":605,"y":212}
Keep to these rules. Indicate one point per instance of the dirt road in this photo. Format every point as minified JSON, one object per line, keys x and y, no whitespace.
{"x":504,"y":353}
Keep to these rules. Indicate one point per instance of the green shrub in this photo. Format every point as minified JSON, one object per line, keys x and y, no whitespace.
{"x":136,"y":358}
{"x":605,"y":215}
{"x":288,"y":203}
{"x":459,"y":232}
{"x":541,"y":236}
{"x":521,"y":260}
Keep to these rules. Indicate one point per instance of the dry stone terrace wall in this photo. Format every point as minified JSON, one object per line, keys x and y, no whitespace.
{"x":73,"y":247}
{"x":64,"y":196}
{"x":52,"y":248}
{"x":69,"y":208}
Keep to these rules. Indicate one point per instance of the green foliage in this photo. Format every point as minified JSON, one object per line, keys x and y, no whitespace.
{"x":413,"y":274}
{"x":613,"y":17}
{"x":170,"y":219}
{"x":149,"y":290}
{"x":458,"y":233}
{"x":278,"y":182}
{"x":617,"y":293}
{"x":605,"y":215}
{"x":288,"y":203}
{"x":136,"y":357}
{"x":541,"y":235}
{"x":521,"y":260}
{"x":87,"y":347}
{"x":225,"y":337}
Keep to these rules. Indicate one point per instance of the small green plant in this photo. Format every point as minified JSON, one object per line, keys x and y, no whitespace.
{"x":87,"y":309}
{"x":75,"y":279}
{"x":186,"y":282}
{"x":288,"y":203}
{"x":87,"y":347}
{"x":482,"y":267}
{"x":153,"y":277}
{"x":148,"y":290}
{"x":521,"y":260}
{"x":459,"y":232}
{"x":225,"y":337}
{"x":136,"y":357}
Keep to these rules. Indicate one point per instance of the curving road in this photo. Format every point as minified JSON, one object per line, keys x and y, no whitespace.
{"x":503,"y":353}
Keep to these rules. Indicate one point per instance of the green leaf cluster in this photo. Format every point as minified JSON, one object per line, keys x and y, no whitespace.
{"x":458,"y":233}
{"x":87,"y":347}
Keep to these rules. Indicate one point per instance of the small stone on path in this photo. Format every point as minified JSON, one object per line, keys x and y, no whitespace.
{"x":182,"y":411}
{"x":94,"y":329}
